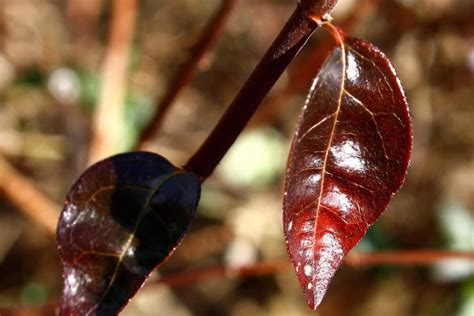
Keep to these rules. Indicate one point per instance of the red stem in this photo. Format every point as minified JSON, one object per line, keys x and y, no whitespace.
{"x":187,"y":71}
{"x":290,"y":40}
{"x":406,"y":257}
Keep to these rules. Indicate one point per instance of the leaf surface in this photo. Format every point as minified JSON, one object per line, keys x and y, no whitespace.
{"x":122,"y":218}
{"x":349,"y":156}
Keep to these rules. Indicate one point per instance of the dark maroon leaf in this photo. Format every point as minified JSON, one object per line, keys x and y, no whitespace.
{"x":122,"y":218}
{"x":349,"y":156}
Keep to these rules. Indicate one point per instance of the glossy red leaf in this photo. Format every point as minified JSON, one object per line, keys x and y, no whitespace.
{"x":121,"y":219}
{"x":349,"y":156}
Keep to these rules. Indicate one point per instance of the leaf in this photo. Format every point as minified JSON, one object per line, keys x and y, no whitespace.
{"x":349,"y":156}
{"x":122,"y":218}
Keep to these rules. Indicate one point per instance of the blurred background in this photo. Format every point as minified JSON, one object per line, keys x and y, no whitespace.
{"x":57,"y":72}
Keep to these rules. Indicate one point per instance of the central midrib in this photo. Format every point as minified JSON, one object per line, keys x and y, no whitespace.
{"x":323,"y":170}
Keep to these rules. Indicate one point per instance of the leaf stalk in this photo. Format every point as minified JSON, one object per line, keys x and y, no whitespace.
{"x":288,"y":43}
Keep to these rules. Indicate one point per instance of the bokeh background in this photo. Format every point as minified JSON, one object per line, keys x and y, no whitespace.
{"x":52,"y":56}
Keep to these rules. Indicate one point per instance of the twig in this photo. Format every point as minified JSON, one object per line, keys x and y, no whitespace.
{"x":29,"y":200}
{"x":291,"y":39}
{"x":188,"y":69}
{"x":108,"y":120}
{"x":356,"y":259}
{"x":190,"y":277}
{"x":406,"y":257}
{"x":303,"y":70}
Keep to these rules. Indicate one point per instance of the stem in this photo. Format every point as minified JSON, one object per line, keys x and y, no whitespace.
{"x":108,"y":120}
{"x":187,"y":71}
{"x":191,"y":277}
{"x":406,"y":257}
{"x":305,"y":69}
{"x":22,"y":192}
{"x":356,"y":259}
{"x":290,"y":40}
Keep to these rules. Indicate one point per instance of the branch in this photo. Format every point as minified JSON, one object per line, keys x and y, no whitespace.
{"x":291,"y":39}
{"x":27,"y":198}
{"x":303,"y":70}
{"x":406,"y":257}
{"x":108,"y":120}
{"x":187,"y":71}
{"x":355,"y":259}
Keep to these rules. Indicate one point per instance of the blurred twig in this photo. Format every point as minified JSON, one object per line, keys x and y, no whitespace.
{"x":189,"y":277}
{"x":293,"y":36}
{"x":406,"y":257}
{"x":29,"y":200}
{"x":415,"y":257}
{"x":108,"y":120}
{"x":188,"y":69}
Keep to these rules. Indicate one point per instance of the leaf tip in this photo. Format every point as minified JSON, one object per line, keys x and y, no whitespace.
{"x":315,"y":293}
{"x":318,"y":297}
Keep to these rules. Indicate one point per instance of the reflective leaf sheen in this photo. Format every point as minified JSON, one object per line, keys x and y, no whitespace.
{"x":349,"y":156}
{"x":122,"y":218}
